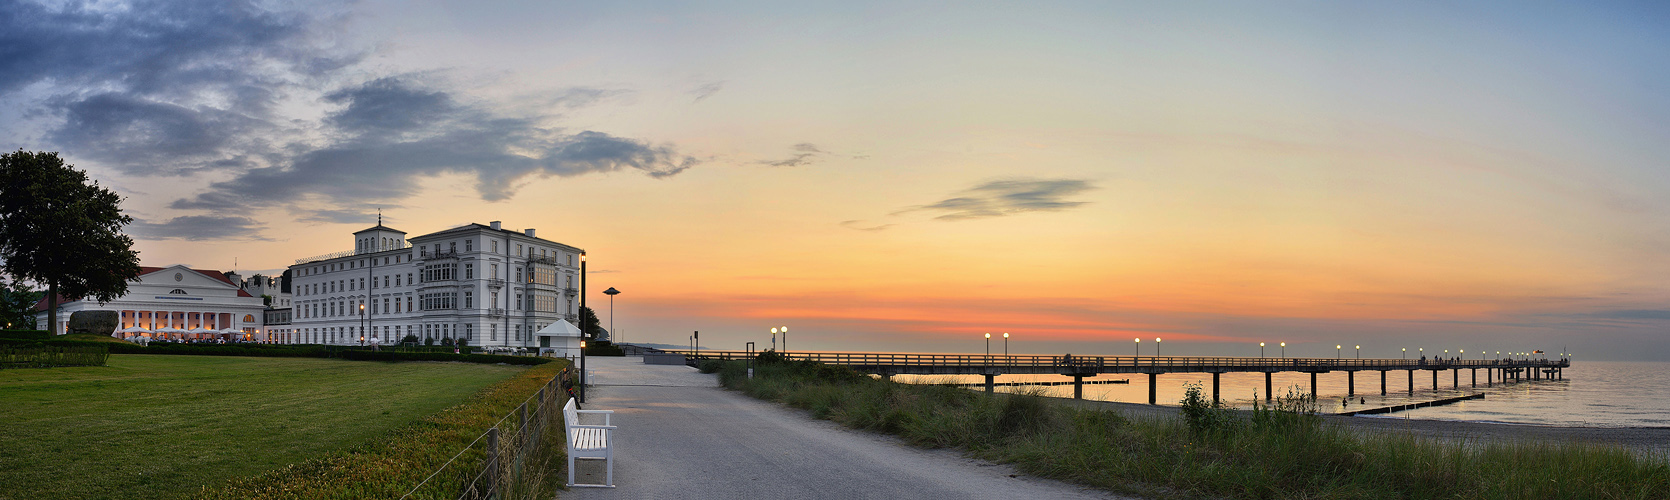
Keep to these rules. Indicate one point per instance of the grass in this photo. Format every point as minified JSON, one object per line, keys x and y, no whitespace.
{"x":163,"y":426}
{"x":1271,"y":453}
{"x":395,"y":462}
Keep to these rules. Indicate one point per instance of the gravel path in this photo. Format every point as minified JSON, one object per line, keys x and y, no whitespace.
{"x":681,"y":436}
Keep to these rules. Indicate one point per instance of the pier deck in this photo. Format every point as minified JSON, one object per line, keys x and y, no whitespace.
{"x":1080,"y":367}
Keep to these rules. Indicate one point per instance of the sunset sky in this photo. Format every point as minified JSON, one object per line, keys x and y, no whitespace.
{"x":902,"y":176}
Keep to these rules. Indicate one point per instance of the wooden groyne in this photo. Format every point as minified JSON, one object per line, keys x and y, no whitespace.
{"x":1024,"y":384}
{"x":1411,"y":406}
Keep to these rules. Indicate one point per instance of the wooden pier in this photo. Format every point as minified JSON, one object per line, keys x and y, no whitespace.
{"x":1081,"y":367}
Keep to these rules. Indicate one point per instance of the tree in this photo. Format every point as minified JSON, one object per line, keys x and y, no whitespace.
{"x":58,"y":230}
{"x":588,"y":323}
{"x":17,"y":305}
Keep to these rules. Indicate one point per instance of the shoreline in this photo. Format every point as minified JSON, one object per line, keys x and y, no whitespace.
{"x":1643,"y":441}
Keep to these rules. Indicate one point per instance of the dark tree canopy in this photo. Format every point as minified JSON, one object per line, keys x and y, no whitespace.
{"x":57,"y":229}
{"x":17,"y":305}
{"x":588,"y":323}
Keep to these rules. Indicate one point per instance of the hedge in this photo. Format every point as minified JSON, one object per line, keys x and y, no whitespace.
{"x":25,"y":334}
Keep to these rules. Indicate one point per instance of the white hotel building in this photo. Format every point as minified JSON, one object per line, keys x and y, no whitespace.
{"x":481,"y":284}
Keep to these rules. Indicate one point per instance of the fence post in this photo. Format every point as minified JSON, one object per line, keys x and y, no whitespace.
{"x":492,"y":462}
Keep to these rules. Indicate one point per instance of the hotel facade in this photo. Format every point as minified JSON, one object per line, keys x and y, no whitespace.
{"x":481,"y":284}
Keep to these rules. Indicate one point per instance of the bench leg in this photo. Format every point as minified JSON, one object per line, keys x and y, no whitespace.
{"x":571,"y":470}
{"x":609,"y":468}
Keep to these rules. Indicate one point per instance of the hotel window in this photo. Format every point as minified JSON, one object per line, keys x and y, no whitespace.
{"x":362,"y":283}
{"x":493,"y":332}
{"x":518,"y":249}
{"x":452,"y":247}
{"x":469,"y":270}
{"x":385,"y":281}
{"x":469,"y":330}
{"x":409,"y":303}
{"x":469,"y":300}
{"x":409,"y":279}
{"x":469,"y":245}
{"x":396,"y":280}
{"x":518,"y":301}
{"x":495,"y":247}
{"x":518,"y":275}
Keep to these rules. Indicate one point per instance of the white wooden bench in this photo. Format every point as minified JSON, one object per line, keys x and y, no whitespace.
{"x":590,"y":442}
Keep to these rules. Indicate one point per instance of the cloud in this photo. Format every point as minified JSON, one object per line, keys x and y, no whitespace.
{"x":163,"y":87}
{"x":209,"y":89}
{"x":1007,"y":197}
{"x":706,"y":90}
{"x":864,"y":225}
{"x":198,"y":228}
{"x":806,"y":153}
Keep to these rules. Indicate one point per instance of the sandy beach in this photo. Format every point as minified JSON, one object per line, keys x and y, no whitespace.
{"x":1646,"y":441}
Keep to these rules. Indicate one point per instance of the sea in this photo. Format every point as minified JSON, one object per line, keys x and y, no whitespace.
{"x":1591,"y":394}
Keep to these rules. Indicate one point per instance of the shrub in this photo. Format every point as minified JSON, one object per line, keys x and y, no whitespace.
{"x":1202,"y":415}
{"x":25,"y":334}
{"x":711,"y":365}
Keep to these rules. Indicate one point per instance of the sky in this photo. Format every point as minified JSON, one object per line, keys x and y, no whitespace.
{"x":907,"y":176}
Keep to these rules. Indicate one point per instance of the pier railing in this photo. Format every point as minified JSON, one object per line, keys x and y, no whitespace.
{"x":1070,"y":363}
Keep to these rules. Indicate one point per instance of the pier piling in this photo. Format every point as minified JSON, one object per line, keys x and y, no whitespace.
{"x":1382,"y":382}
{"x":1351,"y":383}
{"x":1078,"y":386}
{"x":1313,"y":385}
{"x":1153,"y":382}
{"x":991,"y":382}
{"x":1267,"y":395}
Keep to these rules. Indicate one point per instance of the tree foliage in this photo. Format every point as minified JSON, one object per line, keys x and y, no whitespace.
{"x":58,"y":229}
{"x":17,"y":305}
{"x":589,"y":324}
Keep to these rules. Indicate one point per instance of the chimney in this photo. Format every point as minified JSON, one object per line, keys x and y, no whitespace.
{"x":495,"y":225}
{"x":529,"y":232}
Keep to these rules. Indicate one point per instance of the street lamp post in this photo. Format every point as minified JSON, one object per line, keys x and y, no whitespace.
{"x":1156,"y":346}
{"x":774,"y":339}
{"x":1283,"y":349}
{"x":611,"y":292}
{"x":1261,"y":350}
{"x":785,"y":337}
{"x":1005,"y":345}
{"x":1359,"y":352}
{"x":1405,"y":353}
{"x":1139,"y":346}
{"x":362,"y":324}
{"x":1337,"y":350}
{"x":988,"y":348}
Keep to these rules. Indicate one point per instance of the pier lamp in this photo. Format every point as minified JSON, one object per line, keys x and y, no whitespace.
{"x":1005,"y":344}
{"x":1156,"y":346}
{"x":785,"y":331}
{"x":1284,"y":349}
{"x":988,"y":348}
{"x":774,"y":338}
{"x":1261,"y":350}
{"x":1337,"y":349}
{"x":1359,"y":352}
{"x":1139,"y":346}
{"x":362,"y":324}
{"x":1406,"y":353}
{"x":1422,"y":351}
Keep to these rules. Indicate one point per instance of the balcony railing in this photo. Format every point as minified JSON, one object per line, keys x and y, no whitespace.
{"x":495,"y":282}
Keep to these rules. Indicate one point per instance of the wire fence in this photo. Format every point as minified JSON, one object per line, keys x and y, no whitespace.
{"x":518,"y":457}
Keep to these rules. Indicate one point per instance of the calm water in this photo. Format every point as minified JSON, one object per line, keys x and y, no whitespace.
{"x":1593,"y":394}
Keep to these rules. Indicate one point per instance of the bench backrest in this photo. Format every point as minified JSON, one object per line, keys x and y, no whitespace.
{"x":569,"y":417}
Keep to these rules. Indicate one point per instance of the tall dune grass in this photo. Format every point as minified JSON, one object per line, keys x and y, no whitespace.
{"x":1276,"y":452}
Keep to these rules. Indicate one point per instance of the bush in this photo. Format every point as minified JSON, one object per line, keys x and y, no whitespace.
{"x":25,"y":334}
{"x":603,"y":348}
{"x":711,"y":365}
{"x":40,"y":355}
{"x":1204,"y":416}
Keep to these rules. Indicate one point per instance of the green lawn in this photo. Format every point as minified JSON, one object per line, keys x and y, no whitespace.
{"x":152,"y":426}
